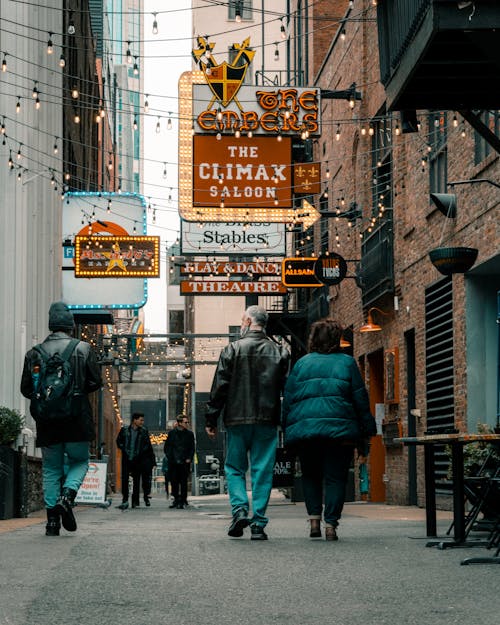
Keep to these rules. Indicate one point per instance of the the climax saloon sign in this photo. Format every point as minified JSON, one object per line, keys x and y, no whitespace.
{"x":239,"y":160}
{"x":117,"y":257}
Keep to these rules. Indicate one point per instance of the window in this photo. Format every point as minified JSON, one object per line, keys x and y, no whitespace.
{"x":176,"y":325}
{"x":243,"y":8}
{"x":482,"y":148}
{"x":438,"y":156}
{"x":381,"y":165}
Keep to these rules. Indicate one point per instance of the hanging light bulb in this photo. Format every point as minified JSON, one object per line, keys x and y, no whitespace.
{"x":11,"y":162}
{"x":19,"y":155}
{"x":164,"y":170}
{"x":155,"y":24}
{"x":134,"y":125}
{"x":56,"y":148}
{"x":276,"y":52}
{"x":455,"y":121}
{"x":237,"y":12}
{"x":18,"y":105}
{"x":74,"y":93}
{"x":71,"y":24}
{"x":282,"y":30}
{"x":136,"y":67}
{"x":371,"y":130}
{"x":146,"y":104}
{"x":342,"y":34}
{"x":76,"y":118}
{"x":37,"y":103}
{"x":4,"y":62}
{"x":97,"y":119}
{"x":158,"y":126}
{"x":337,"y":134}
{"x":128,"y":54}
{"x":50,"y":44}
{"x":327,"y":173}
{"x":34,"y":93}
{"x":397,"y":130}
{"x":62,"y":60}
{"x":2,"y":128}
{"x":237,"y":133}
{"x":250,"y":134}
{"x":169,"y":122}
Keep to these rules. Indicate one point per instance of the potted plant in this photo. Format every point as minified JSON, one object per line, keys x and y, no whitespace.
{"x":11,"y":424}
{"x":450,"y":260}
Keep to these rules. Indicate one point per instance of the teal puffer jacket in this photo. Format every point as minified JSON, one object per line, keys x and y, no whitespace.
{"x":325,"y":396}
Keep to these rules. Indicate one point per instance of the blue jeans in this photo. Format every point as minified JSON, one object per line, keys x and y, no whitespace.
{"x":257,"y":442}
{"x":59,"y":473}
{"x":327,"y":462}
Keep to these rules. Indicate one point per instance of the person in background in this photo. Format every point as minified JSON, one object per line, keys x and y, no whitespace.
{"x":64,"y":441}
{"x":326,"y":414}
{"x":138,"y":460}
{"x":246,"y":389}
{"x":164,"y":470}
{"x":179,"y":449}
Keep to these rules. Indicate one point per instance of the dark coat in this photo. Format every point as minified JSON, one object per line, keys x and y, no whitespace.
{"x":325,"y":397}
{"x":87,"y":379}
{"x":179,"y":446}
{"x":143,"y":453}
{"x":248,"y":382}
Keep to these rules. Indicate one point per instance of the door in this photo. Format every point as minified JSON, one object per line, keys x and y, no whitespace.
{"x":377,"y":448}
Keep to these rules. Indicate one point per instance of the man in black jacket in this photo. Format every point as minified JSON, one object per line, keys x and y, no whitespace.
{"x":246,"y":389}
{"x":64,"y":440}
{"x":138,"y":460}
{"x":179,"y":449}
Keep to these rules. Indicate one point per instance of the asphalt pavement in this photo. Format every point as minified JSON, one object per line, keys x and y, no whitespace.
{"x":160,"y":566}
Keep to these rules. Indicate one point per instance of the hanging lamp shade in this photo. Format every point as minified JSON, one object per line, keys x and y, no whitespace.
{"x":370,"y":325}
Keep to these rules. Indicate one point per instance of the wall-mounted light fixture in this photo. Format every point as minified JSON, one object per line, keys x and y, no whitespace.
{"x":370,"y":326}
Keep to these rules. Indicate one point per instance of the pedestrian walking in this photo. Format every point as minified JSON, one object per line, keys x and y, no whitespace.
{"x":57,"y":377}
{"x":164,"y":470}
{"x":138,"y":460}
{"x":326,"y":414}
{"x":246,"y":390}
{"x":179,"y":448}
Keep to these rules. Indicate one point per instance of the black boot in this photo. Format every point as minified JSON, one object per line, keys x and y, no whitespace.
{"x":64,"y":506}
{"x":53,"y":522}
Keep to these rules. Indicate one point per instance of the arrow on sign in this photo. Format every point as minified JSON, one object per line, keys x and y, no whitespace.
{"x":308,"y":215}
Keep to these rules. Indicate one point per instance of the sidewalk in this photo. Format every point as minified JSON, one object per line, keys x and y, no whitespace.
{"x":161,"y":566}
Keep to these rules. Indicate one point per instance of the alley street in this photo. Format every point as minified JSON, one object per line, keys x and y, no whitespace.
{"x":160,"y":566}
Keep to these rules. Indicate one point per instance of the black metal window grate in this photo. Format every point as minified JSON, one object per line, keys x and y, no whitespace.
{"x":439,"y":373}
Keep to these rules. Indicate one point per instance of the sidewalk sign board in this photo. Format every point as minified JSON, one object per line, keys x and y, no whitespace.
{"x":93,"y":488}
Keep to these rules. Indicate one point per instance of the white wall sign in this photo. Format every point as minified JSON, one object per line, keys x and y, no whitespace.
{"x":109,"y":214}
{"x":253,"y":239}
{"x":93,"y":488}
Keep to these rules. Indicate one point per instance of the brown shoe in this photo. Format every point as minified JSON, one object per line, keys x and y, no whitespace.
{"x":331,"y":533}
{"x":315,"y":528}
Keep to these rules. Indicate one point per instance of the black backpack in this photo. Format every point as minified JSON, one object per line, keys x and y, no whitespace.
{"x":53,"y":390}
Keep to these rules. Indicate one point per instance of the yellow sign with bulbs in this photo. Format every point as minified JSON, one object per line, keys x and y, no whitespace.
{"x":117,"y":257}
{"x":235,"y":142}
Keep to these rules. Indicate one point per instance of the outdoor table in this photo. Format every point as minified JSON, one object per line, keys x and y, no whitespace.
{"x":456,"y":442}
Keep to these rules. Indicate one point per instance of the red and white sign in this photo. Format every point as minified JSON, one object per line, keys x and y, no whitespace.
{"x":233,"y":268}
{"x":215,"y":287}
{"x":253,"y":173}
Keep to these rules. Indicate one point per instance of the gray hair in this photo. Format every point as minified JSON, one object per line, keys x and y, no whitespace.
{"x":258,"y":315}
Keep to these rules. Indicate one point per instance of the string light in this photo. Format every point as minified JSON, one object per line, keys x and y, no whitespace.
{"x":18,"y":105}
{"x":74,"y":93}
{"x":342,"y":34}
{"x":62,"y":60}
{"x":50,"y":45}
{"x":76,"y":118}
{"x":164,"y":170}
{"x":158,"y":126}
{"x":4,"y":62}
{"x":276,"y":52}
{"x":237,"y":12}
{"x":71,"y":24}
{"x":34,"y":93}
{"x":455,"y":121}
{"x":136,"y":67}
{"x":169,"y":122}
{"x":146,"y":104}
{"x":155,"y":24}
{"x":37,"y":103}
{"x":337,"y":134}
{"x":282,"y":30}
{"x":128,"y":54}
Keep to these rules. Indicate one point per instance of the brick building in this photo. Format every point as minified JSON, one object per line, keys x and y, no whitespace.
{"x":434,"y":362}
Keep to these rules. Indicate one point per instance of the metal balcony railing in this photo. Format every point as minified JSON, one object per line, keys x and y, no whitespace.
{"x":377,"y":263}
{"x":398,"y":21}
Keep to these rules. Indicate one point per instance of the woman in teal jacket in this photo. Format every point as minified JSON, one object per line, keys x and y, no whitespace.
{"x":326,"y":414}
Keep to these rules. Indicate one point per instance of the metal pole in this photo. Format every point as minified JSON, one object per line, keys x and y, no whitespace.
{"x":194,"y":480}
